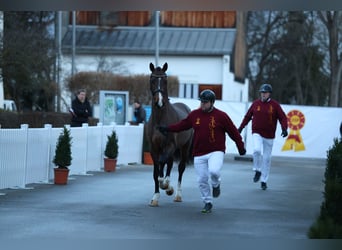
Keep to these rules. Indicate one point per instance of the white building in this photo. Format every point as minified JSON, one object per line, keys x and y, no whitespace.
{"x":197,"y":56}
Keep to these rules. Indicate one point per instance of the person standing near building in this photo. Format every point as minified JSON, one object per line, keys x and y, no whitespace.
{"x":139,"y":112}
{"x":209,"y":144}
{"x":80,"y":109}
{"x":264,"y":113}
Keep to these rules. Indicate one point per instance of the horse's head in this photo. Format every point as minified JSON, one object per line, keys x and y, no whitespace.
{"x":158,"y":85}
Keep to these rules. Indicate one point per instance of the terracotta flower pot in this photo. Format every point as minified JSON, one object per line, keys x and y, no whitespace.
{"x":148,"y":158}
{"x":61,"y":176}
{"x":109,"y":164}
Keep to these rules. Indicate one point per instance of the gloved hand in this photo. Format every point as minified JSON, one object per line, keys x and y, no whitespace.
{"x":284,"y":133}
{"x":240,"y":129}
{"x":242,"y":151}
{"x":163,"y":129}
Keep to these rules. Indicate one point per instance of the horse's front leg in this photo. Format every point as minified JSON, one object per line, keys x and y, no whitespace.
{"x":169,"y":189}
{"x":156,"y":195}
{"x":181,"y":168}
{"x":163,"y":182}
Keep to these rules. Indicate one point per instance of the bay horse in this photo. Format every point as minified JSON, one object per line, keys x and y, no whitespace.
{"x":164,"y":148}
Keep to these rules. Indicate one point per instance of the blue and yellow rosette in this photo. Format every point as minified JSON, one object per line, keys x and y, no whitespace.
{"x":294,"y":141}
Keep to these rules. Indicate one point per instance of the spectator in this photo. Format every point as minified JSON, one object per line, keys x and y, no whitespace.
{"x":80,"y":109}
{"x":139,"y":112}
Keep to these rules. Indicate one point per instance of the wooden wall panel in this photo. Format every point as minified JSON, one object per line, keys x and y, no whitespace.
{"x":85,"y":17}
{"x":194,"y":19}
{"x":138,"y":18}
{"x":217,"y":88}
{"x":199,"y":19}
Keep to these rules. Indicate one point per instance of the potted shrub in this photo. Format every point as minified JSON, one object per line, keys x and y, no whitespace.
{"x":111,"y":152}
{"x":62,"y":158}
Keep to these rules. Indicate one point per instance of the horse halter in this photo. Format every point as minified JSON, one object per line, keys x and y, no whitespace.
{"x":158,"y":92}
{"x":159,"y":79}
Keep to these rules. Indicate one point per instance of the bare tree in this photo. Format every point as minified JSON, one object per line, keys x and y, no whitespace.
{"x":283,"y":51}
{"x":332,"y":21}
{"x":264,"y":30}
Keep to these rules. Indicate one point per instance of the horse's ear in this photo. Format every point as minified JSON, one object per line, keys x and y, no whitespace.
{"x":151,"y":67}
{"x":165,"y":67}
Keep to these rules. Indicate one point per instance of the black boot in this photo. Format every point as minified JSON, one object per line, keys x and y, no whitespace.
{"x":257,"y":176}
{"x":263,"y":185}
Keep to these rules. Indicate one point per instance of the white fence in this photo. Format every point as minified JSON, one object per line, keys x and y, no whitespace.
{"x":26,"y":154}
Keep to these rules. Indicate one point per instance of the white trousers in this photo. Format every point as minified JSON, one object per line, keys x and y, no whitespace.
{"x":208,"y":168}
{"x":262,"y":150}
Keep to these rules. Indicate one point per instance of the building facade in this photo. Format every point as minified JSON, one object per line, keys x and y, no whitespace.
{"x":200,"y":48}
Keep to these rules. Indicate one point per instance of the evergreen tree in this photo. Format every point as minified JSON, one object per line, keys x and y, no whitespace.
{"x":112,"y":148}
{"x":62,"y":158}
{"x":329,"y":222}
{"x":28,"y":59}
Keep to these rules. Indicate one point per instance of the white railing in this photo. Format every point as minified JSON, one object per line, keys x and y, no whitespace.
{"x":26,"y":154}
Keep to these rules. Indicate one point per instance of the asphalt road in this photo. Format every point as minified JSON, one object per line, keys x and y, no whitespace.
{"x":114,"y":205}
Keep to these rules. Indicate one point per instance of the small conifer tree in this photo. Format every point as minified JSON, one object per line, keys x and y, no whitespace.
{"x":112,"y":147}
{"x":62,"y":158}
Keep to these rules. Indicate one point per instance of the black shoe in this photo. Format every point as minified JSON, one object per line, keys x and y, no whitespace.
{"x":216,"y":191}
{"x":263,"y":185}
{"x":207,"y":208}
{"x":257,"y":176}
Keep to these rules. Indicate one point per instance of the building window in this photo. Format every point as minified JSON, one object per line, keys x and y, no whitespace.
{"x":192,"y":90}
{"x":188,"y":90}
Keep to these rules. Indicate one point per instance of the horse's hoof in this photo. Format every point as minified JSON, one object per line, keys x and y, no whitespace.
{"x":177,"y":199}
{"x":169,"y":191}
{"x":164,"y":186}
{"x":153,"y":203}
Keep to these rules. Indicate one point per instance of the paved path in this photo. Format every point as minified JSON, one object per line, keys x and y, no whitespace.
{"x":115,"y":205}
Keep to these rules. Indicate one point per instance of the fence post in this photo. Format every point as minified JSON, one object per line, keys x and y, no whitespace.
{"x":101,"y":163}
{"x":25,"y":127}
{"x":48,"y":157}
{"x":85,"y":126}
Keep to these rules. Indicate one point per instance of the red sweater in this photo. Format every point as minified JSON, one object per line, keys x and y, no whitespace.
{"x":264,"y":116}
{"x":209,"y":131}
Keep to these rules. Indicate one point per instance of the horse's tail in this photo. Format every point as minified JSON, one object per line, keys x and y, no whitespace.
{"x":190,"y":159}
{"x":177,"y":155}
{"x":189,"y":156}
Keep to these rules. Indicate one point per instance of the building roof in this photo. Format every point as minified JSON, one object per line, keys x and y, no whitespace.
{"x":141,"y":40}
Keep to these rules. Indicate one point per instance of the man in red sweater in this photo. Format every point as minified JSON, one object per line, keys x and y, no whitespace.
{"x":209,"y":143}
{"x":264,"y":113}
